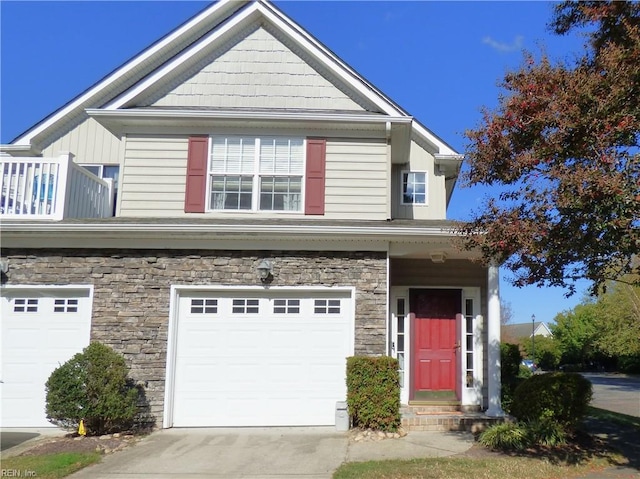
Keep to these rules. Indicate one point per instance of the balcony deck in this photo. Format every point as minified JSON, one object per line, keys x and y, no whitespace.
{"x":34,"y":188}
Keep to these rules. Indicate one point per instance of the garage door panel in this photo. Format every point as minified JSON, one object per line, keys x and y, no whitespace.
{"x":272,"y":369}
{"x":39,"y":333}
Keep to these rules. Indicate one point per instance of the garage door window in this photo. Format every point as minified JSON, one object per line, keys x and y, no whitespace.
{"x":245,"y":306}
{"x":65,"y":306}
{"x":327,"y":306}
{"x":286,"y":306}
{"x":25,"y":305}
{"x":204,"y":306}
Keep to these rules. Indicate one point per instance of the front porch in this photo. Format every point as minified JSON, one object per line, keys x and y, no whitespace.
{"x":443,"y":417}
{"x":37,"y":188}
{"x":444,"y":331}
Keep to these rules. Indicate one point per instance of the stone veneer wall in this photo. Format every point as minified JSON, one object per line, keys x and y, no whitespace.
{"x":132,"y":289}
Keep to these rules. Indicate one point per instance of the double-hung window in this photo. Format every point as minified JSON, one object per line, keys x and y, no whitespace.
{"x":414,"y":188}
{"x":249,"y":173}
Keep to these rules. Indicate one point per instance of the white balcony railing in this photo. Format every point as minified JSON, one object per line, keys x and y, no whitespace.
{"x":52,"y":188}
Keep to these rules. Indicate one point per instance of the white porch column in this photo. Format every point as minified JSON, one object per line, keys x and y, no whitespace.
{"x":493,"y":341}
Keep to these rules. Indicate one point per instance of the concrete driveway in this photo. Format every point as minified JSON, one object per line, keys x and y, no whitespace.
{"x":18,"y":439}
{"x":9,"y":439}
{"x":273,"y":453}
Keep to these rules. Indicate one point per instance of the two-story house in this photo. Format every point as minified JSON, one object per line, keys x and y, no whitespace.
{"x":236,"y":211}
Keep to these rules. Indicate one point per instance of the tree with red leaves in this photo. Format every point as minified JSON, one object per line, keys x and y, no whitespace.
{"x":562,"y":146}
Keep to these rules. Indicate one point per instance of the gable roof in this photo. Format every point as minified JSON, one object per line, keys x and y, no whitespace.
{"x":215,"y":24}
{"x":523,"y":330}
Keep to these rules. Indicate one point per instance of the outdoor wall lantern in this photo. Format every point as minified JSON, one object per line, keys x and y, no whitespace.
{"x":438,"y":257}
{"x":264,"y":270}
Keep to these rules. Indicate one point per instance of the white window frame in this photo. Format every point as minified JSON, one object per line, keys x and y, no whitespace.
{"x":256,"y":176}
{"x":101,"y":167}
{"x":426,"y":187}
{"x":472,"y":395}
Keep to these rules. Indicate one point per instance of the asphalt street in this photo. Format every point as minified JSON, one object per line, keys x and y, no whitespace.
{"x":616,"y":392}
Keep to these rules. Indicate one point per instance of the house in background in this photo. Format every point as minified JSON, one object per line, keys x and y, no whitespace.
{"x":513,"y":333}
{"x":275,"y":213}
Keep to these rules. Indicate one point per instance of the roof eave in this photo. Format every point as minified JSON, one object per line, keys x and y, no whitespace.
{"x":214,"y":14}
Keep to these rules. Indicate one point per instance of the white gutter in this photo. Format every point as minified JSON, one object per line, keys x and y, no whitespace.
{"x":21,"y":150}
{"x":274,"y":229}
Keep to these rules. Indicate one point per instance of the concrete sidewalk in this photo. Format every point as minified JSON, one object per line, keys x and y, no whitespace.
{"x":272,"y":453}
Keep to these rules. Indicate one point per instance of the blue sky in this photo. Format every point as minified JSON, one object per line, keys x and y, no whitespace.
{"x":441,"y":61}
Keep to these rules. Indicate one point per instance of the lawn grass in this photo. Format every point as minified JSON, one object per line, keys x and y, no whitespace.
{"x":508,"y":467}
{"x":49,"y":466}
{"x":616,"y":417}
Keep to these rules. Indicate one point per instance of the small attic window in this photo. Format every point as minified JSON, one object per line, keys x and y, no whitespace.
{"x":414,"y":188}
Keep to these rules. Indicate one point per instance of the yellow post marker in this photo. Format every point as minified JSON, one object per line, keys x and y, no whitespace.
{"x":81,"y":429}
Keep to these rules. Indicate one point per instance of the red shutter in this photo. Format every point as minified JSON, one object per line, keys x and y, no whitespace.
{"x":195,"y":194}
{"x":314,"y":188}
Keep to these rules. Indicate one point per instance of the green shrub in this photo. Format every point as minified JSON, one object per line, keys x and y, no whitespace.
{"x":510,"y":360}
{"x":507,"y":436}
{"x":373,"y":392}
{"x":524,"y":373}
{"x":562,"y":398}
{"x":93,"y":386}
{"x":521,"y":435}
{"x":509,"y":372}
{"x":629,"y":364}
{"x":546,"y":433}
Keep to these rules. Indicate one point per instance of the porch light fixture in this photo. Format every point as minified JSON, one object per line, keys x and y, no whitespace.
{"x":264,"y":270}
{"x":438,"y":257}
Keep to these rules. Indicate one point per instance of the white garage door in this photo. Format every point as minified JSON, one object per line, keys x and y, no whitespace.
{"x":41,"y":329}
{"x":261,"y":358}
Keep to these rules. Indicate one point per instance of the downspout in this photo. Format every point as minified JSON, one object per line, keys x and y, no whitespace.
{"x":389,"y":179}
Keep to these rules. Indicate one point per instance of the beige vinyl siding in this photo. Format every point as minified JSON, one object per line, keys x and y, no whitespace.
{"x":90,"y":142}
{"x":436,"y":206}
{"x":356,"y":179}
{"x":257,"y":72}
{"x":154,"y":176}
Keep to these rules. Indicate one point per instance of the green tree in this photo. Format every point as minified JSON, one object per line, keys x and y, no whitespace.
{"x":577,"y":332}
{"x":603,"y":329}
{"x":619,"y":320}
{"x":562,"y":147}
{"x":547,"y":351}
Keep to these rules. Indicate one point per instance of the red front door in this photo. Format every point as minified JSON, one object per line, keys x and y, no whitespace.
{"x":434,"y":338}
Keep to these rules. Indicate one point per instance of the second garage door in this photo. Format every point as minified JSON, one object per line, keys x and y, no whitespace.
{"x":41,"y":329}
{"x":261,"y":358}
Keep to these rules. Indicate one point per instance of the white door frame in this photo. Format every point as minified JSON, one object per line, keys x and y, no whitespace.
{"x":470,"y":396}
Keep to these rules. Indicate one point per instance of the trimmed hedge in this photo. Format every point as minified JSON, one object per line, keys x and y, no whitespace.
{"x":562,"y":398}
{"x":93,"y":385}
{"x":373,"y":392}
